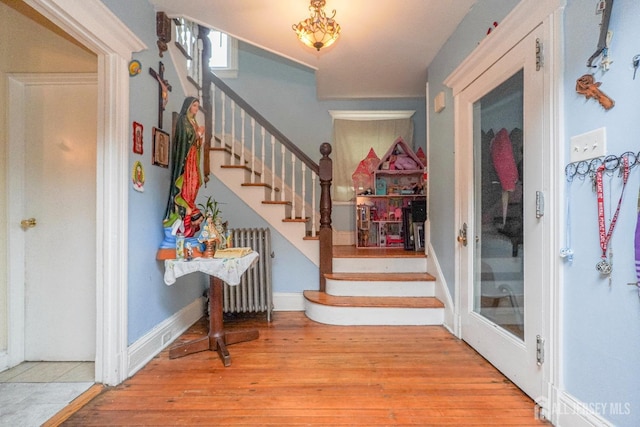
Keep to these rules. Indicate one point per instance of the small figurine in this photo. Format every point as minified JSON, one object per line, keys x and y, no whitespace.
{"x":210,"y":237}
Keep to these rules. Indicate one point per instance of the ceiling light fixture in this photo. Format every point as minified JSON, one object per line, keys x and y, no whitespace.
{"x":318,"y":30}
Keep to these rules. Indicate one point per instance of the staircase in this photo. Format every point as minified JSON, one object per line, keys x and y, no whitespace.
{"x":279,"y":182}
{"x":376,"y":287}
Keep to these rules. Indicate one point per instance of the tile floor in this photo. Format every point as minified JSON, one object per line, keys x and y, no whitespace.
{"x":33,"y":392}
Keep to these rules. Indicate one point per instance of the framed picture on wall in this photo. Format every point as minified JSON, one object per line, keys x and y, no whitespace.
{"x":137,"y":138}
{"x":160,"y":148}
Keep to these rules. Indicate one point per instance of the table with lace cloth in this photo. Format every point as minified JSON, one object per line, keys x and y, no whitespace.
{"x":219,"y":270}
{"x":229,"y":270}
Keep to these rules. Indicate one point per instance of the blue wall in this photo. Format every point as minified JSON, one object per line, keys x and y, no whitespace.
{"x":600,"y":320}
{"x":150,"y":300}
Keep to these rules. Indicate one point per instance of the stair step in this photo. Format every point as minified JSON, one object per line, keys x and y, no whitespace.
{"x":380,"y":265}
{"x":243,"y":167}
{"x":226,"y":149}
{"x":350,"y":251}
{"x":259,"y":184}
{"x":380,"y":284}
{"x":397,"y":302}
{"x":382,"y":277}
{"x":334,"y":310}
{"x":295,"y":220}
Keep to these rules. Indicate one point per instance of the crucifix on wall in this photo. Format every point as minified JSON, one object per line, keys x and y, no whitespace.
{"x":163,"y":90}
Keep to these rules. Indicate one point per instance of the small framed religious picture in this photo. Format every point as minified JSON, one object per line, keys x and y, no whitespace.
{"x":160,"y":148}
{"x":137,"y":138}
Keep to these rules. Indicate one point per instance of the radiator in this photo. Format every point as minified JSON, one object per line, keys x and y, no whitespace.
{"x":254,"y":293}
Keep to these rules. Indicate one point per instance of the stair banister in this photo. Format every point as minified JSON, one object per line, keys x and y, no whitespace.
{"x":323,"y":171}
{"x":272,"y":130}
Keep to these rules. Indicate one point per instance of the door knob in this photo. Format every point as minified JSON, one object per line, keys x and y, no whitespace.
{"x":462,"y":234}
{"x":28,"y":223}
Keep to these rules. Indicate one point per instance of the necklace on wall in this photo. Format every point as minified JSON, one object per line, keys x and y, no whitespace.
{"x":604,"y":265}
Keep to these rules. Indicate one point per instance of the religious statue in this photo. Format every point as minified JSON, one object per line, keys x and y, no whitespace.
{"x":182,"y":213}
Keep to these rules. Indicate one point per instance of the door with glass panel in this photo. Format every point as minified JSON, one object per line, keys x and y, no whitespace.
{"x":501,"y":212}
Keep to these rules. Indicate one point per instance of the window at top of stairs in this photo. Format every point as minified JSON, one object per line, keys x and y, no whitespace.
{"x":224,"y":54}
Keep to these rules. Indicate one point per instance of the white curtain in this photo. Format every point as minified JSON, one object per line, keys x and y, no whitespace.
{"x":352,"y":140}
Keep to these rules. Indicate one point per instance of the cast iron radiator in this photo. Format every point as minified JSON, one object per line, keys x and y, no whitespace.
{"x":254,"y":293}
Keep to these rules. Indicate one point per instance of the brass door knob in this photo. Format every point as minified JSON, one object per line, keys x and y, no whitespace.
{"x":28,"y":223}
{"x":462,"y":235}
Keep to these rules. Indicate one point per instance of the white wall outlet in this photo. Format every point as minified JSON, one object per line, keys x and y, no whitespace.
{"x":589,"y":145}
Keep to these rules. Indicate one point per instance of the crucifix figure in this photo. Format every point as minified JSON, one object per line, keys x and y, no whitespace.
{"x":164,"y":89}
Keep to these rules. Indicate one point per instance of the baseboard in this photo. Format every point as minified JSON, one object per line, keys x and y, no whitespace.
{"x":570,"y":412}
{"x":441,"y":290}
{"x":283,"y":301}
{"x":4,"y":361}
{"x":147,"y":347}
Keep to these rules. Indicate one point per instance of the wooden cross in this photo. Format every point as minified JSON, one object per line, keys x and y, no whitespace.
{"x":163,"y":90}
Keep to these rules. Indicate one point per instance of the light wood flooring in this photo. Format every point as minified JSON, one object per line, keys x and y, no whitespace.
{"x":299,"y":372}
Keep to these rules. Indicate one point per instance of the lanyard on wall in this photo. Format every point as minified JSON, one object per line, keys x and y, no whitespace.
{"x":603,"y":266}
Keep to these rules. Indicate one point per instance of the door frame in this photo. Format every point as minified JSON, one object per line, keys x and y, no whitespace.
{"x":526,"y":16}
{"x":96,"y":27}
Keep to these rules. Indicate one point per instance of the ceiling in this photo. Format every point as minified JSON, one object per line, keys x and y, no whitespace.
{"x":384,"y":48}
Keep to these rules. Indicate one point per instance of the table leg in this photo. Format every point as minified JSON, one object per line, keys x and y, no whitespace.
{"x":218,"y":339}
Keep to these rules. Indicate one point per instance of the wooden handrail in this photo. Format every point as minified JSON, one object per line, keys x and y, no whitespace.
{"x":271,"y":129}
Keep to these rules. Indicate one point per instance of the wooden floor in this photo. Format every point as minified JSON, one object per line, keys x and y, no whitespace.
{"x":303,"y":373}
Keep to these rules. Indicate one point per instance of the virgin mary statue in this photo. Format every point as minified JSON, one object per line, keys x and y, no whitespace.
{"x":186,"y":177}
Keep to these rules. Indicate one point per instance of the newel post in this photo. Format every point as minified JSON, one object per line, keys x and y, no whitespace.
{"x":326,"y":233}
{"x":206,"y":101}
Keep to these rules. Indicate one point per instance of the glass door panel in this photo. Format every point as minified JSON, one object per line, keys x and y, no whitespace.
{"x":498,"y":264}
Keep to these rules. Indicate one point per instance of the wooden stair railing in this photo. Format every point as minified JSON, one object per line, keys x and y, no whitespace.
{"x":252,"y":151}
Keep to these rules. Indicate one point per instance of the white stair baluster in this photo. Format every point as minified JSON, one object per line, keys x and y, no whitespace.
{"x":273,"y":167}
{"x":282,"y":173}
{"x":262,"y":158}
{"x":314,"y":178}
{"x":303,"y":168}
{"x":233,"y":132}
{"x":223,"y":101}
{"x":253,"y":150}
{"x":213,"y":115}
{"x":242,"y":141}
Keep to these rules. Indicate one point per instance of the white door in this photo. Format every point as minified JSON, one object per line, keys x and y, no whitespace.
{"x":502,"y":234}
{"x":58,"y":203}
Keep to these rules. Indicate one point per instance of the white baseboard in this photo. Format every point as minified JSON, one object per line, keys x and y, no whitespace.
{"x":4,"y":361}
{"x":441,"y":290}
{"x":570,"y":412}
{"x":283,"y":301}
{"x":147,"y":347}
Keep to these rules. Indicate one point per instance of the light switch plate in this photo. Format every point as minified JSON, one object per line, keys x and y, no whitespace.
{"x":589,"y":145}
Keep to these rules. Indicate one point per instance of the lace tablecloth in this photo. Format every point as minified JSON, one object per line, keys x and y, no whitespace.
{"x":229,"y":270}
